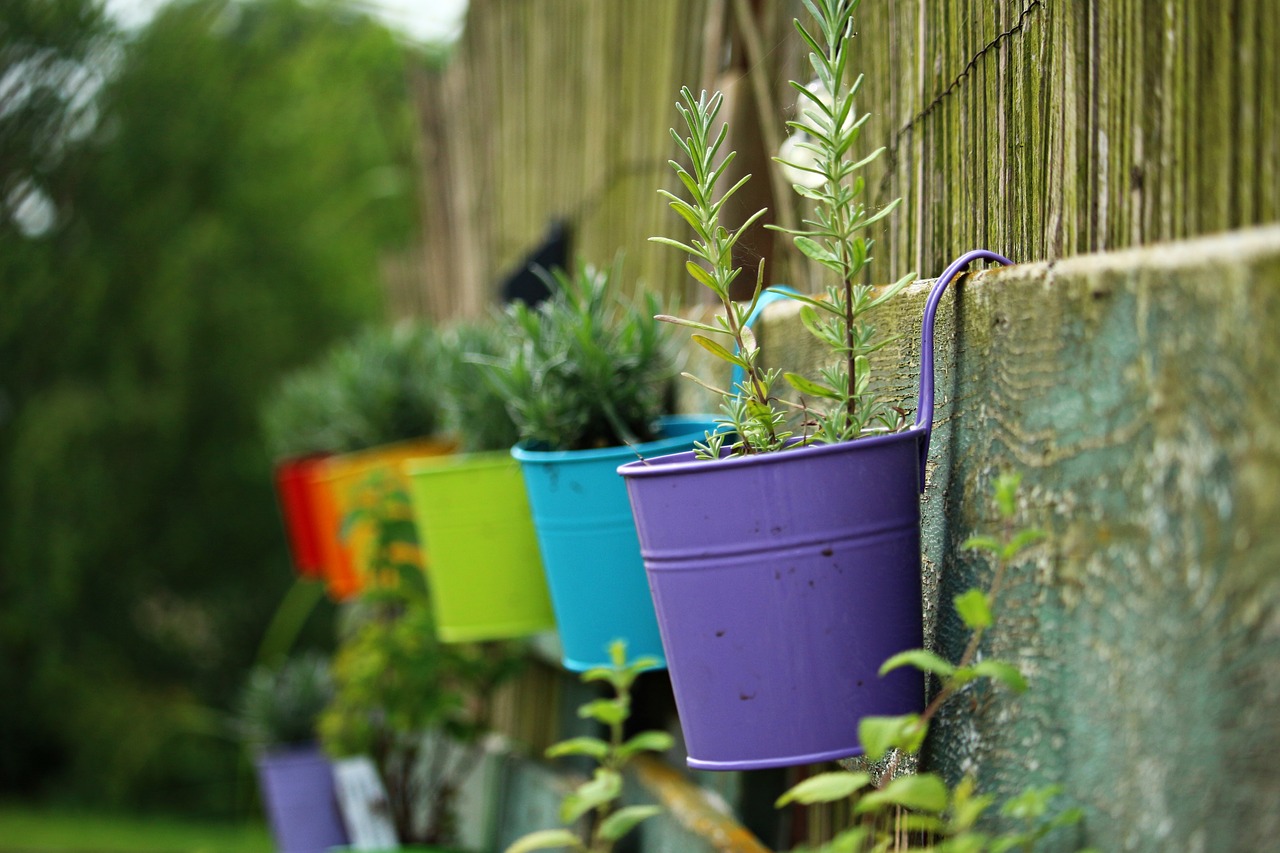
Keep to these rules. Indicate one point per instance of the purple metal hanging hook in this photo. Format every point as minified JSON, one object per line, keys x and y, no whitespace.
{"x":924,"y":409}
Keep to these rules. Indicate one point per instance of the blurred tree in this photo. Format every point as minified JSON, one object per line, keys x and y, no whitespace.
{"x":220,"y":222}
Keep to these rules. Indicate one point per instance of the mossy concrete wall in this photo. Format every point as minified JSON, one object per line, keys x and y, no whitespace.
{"x":1136,"y":393}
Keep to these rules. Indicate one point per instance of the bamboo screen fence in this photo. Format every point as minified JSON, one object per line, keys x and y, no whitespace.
{"x":1038,"y":128}
{"x":1048,"y":128}
{"x":552,"y":110}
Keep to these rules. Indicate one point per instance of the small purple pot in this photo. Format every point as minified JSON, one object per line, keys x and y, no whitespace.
{"x":300,"y":799}
{"x":782,"y":582}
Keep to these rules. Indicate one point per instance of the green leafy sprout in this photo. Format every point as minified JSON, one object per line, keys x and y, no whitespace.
{"x":396,"y":683}
{"x":839,"y":404}
{"x":596,"y":799}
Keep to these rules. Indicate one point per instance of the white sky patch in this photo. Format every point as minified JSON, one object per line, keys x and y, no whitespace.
{"x":426,"y":21}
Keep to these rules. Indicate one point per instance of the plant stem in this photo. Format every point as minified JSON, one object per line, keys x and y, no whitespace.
{"x":851,"y":359}
{"x":970,"y":651}
{"x":752,"y":373}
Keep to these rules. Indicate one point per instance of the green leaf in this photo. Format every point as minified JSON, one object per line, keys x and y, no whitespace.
{"x":707,"y":385}
{"x":925,"y":792}
{"x":990,"y":544}
{"x":813,"y":389}
{"x":593,"y":747}
{"x":1031,"y":804}
{"x":717,"y":350}
{"x":825,"y":788}
{"x":822,"y":304}
{"x":809,"y":317}
{"x":849,"y":841}
{"x":665,"y":241}
{"x":892,"y":290}
{"x":624,"y":820}
{"x":687,"y":213}
{"x":967,"y":842}
{"x":1021,"y":540}
{"x":1070,"y":817}
{"x":700,"y":274}
{"x":913,"y":823}
{"x":1003,"y":672}
{"x":607,"y":711}
{"x":814,"y":250}
{"x":597,"y":673}
{"x":878,"y":735}
{"x":639,"y":665}
{"x":1006,"y":492}
{"x":974,"y":609}
{"x":692,"y":324}
{"x":882,"y":212}
{"x":604,"y":787}
{"x":921,"y":659}
{"x":966,"y":805}
{"x":651,"y":741}
{"x":1012,"y":841}
{"x":546,"y":839}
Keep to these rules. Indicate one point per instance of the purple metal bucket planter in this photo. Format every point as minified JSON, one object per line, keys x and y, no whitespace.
{"x":300,"y":800}
{"x":783,"y":581}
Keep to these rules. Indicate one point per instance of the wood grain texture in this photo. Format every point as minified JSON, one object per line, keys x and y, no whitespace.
{"x":1134,"y":390}
{"x":1049,"y":128}
{"x":553,"y":110}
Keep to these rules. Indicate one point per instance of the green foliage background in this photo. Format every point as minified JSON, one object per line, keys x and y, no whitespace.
{"x":222,"y":202}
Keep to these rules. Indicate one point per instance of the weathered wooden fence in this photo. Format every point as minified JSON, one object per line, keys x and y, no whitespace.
{"x":1048,"y":128}
{"x":551,"y":110}
{"x":1040,"y":128}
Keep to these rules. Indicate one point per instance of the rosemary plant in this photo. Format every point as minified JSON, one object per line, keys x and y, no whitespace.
{"x":757,"y":423}
{"x":838,"y":404}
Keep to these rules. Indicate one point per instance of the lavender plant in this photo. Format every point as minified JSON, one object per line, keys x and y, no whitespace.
{"x":839,"y":404}
{"x":588,"y":368}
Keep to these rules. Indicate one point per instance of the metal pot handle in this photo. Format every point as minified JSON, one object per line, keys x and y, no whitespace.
{"x":924,"y":409}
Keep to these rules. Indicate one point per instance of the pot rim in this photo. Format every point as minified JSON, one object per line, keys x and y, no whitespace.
{"x":685,"y":463}
{"x":474,"y":461}
{"x":525,"y":452}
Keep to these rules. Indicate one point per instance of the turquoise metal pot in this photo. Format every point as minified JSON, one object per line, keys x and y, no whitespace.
{"x":588,"y":542}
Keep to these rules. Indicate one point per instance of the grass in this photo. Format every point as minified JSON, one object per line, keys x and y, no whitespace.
{"x":26,"y":829}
